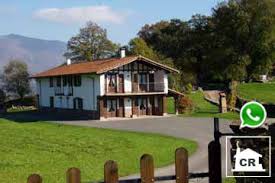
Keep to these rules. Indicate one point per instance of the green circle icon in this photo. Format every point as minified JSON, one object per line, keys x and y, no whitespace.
{"x":253,"y":115}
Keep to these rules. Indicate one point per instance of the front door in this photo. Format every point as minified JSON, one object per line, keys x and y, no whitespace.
{"x":121,"y":108}
{"x":121,"y":83}
{"x":151,"y":105}
{"x":112,"y":108}
{"x":143,"y":106}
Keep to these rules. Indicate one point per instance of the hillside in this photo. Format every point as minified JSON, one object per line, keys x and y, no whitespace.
{"x":37,"y":53}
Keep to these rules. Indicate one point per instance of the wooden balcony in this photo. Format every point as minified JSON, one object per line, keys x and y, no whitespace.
{"x":137,"y":88}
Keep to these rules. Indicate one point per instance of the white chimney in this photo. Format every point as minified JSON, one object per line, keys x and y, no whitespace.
{"x":122,"y":52}
{"x":69,"y":61}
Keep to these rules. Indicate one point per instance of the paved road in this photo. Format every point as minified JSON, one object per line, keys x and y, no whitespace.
{"x":198,"y":129}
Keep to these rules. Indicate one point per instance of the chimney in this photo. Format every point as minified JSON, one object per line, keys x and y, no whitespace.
{"x":122,"y":52}
{"x":69,"y":61}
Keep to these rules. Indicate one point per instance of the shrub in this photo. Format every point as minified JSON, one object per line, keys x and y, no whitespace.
{"x":185,"y":105}
{"x":188,"y":88}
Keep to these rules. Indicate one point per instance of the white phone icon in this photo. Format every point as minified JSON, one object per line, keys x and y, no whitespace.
{"x":248,"y":112}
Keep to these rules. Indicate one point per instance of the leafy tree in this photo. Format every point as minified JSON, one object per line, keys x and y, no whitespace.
{"x":138,"y":46}
{"x":90,"y":43}
{"x":16,"y":78}
{"x":235,"y":43}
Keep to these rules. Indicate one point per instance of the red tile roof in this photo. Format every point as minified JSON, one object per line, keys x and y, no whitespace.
{"x":98,"y":66}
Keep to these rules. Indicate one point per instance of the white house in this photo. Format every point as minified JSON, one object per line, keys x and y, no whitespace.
{"x":116,"y":87}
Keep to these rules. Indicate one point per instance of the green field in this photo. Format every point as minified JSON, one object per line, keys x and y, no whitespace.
{"x":229,"y":180}
{"x":203,"y":108}
{"x":50,"y":149}
{"x":263,"y":92}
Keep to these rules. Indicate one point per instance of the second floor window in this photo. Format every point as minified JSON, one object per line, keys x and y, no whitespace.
{"x":65,"y":80}
{"x":112,"y":80}
{"x":58,"y":81}
{"x":142,"y":78}
{"x":51,"y":82}
{"x":77,"y":80}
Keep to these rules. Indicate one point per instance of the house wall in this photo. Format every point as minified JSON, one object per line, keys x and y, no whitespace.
{"x":88,"y":91}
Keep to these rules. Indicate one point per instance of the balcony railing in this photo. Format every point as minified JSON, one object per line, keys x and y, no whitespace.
{"x":67,"y":91}
{"x":135,"y":87}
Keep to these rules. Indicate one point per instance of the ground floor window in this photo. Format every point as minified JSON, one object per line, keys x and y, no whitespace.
{"x":78,"y":103}
{"x":51,"y":102}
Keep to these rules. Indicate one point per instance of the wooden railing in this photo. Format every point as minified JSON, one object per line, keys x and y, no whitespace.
{"x":140,"y":88}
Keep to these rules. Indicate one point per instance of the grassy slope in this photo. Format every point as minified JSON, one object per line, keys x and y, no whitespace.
{"x":203,"y":108}
{"x":49,"y":149}
{"x":263,"y":92}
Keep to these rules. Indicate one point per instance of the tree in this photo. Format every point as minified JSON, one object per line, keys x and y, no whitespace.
{"x":235,"y":43}
{"x":16,"y":78}
{"x":90,"y":43}
{"x":138,"y":46}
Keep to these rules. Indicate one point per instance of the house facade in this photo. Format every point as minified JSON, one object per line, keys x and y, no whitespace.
{"x":116,"y":87}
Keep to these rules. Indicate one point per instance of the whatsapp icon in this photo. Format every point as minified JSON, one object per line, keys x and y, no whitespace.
{"x":253,"y":115}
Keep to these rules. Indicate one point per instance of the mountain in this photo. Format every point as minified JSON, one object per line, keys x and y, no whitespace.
{"x":39,"y":54}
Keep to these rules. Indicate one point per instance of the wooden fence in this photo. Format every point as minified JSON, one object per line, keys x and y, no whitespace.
{"x":181,"y":175}
{"x":73,"y":175}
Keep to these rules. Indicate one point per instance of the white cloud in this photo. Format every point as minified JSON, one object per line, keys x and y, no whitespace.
{"x":96,"y":14}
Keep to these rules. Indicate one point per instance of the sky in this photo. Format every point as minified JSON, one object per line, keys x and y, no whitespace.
{"x":62,"y":19}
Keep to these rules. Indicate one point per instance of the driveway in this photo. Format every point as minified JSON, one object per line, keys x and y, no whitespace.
{"x":198,"y":129}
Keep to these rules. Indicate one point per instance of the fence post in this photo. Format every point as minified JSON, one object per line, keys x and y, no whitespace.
{"x":214,"y":162}
{"x":73,"y":175}
{"x":181,"y":163}
{"x":146,"y":169}
{"x":34,"y":178}
{"x":110,"y":172}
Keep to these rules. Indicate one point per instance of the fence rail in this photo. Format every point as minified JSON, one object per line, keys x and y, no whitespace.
{"x":73,"y":175}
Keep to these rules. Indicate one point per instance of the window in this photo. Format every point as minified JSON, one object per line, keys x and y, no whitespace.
{"x":65,"y":80}
{"x":142,"y":78}
{"x":112,"y":80}
{"x":51,"y":82}
{"x":58,"y":81}
{"x":51,"y":102}
{"x":77,"y":80}
{"x":70,"y":80}
{"x":78,"y":103}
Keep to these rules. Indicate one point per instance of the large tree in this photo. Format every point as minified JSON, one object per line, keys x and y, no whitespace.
{"x":90,"y":43}
{"x":16,"y":78}
{"x":234,"y":43}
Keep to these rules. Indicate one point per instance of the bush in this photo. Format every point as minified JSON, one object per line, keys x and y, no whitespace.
{"x":185,"y":105}
{"x":188,"y":88}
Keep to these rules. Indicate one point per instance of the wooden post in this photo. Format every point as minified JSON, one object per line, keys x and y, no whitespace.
{"x":147,"y":169}
{"x":110,"y":172}
{"x":73,"y":175}
{"x":181,"y":163}
{"x":34,"y":178}
{"x":214,"y":162}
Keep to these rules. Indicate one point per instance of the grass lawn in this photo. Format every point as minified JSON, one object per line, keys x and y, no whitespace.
{"x":50,"y":149}
{"x":203,"y":108}
{"x":229,"y":180}
{"x":263,"y":92}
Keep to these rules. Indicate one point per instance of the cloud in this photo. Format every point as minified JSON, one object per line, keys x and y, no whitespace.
{"x":96,"y":14}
